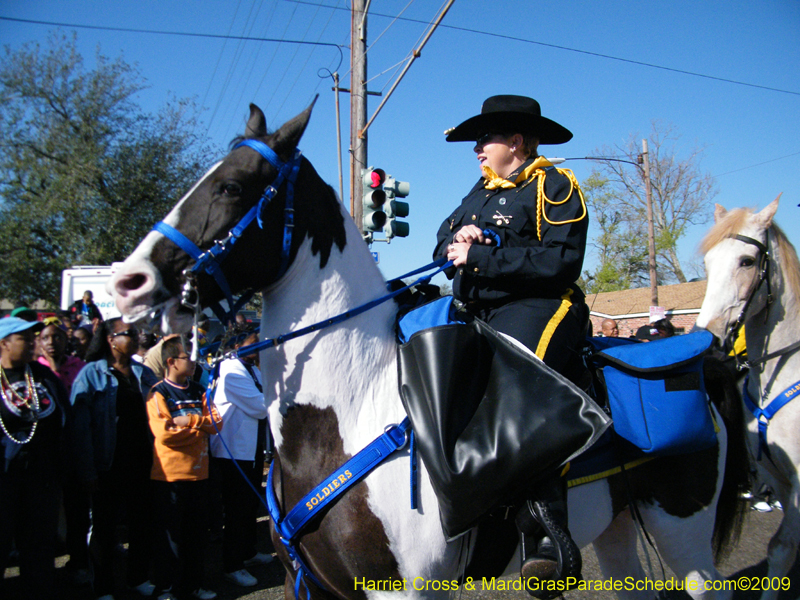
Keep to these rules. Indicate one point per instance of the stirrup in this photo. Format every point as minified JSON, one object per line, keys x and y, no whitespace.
{"x":566,"y":553}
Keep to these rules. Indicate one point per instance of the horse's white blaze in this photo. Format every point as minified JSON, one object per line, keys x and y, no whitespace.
{"x":136,"y":303}
{"x":722,"y":308}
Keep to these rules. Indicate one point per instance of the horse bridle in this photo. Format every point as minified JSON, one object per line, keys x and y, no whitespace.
{"x":210,"y":261}
{"x":733,"y":330}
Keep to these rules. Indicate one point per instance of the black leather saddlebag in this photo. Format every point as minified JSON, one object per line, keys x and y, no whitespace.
{"x":489,"y":418}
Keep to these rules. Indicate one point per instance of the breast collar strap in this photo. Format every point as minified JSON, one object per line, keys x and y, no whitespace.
{"x":730,"y":338}
{"x":763,"y":415}
{"x":210,"y":261}
{"x":289,"y":527}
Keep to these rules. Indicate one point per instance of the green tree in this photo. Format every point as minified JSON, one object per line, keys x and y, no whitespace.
{"x":682,"y":196}
{"x":84,"y":171}
{"x":622,"y":258}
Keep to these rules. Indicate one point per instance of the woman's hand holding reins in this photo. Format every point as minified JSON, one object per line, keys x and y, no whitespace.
{"x":466,"y":236}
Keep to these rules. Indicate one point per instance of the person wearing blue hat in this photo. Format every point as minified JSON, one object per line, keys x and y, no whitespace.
{"x":517,"y":243}
{"x":33,"y":418}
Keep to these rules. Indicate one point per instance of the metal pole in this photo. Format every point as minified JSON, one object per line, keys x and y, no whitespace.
{"x":650,"y":229}
{"x":358,"y":107}
{"x":415,"y":55}
{"x":338,"y":135}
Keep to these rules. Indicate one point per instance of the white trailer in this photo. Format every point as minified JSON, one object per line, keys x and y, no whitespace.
{"x":79,"y":279}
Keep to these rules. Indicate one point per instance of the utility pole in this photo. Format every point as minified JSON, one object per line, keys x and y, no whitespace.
{"x":358,"y":106}
{"x":650,"y":228}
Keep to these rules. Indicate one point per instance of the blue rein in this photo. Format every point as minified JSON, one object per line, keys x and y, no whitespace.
{"x":210,"y":261}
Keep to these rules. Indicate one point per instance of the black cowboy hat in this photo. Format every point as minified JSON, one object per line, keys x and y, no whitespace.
{"x":510,"y":114}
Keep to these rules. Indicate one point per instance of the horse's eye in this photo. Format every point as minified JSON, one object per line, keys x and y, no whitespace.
{"x":232,"y":189}
{"x":747,"y":261}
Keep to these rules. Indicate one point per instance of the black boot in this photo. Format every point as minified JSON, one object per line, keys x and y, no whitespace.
{"x":548,"y":551}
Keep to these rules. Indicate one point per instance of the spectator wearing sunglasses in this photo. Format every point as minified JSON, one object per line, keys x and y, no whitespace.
{"x":115,"y":451}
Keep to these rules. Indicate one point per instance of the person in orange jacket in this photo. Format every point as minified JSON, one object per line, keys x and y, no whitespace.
{"x":181,"y":421}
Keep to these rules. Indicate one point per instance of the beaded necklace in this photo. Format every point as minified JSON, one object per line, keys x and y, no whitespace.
{"x":10,"y":397}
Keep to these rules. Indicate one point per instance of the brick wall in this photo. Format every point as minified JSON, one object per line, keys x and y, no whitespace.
{"x":628,"y":327}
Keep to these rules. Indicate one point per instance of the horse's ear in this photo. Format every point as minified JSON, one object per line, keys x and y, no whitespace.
{"x":764,"y":218}
{"x":256,"y":124}
{"x":719,"y":212}
{"x":288,"y":136}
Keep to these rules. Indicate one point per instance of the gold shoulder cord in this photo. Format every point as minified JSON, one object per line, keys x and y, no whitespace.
{"x":542,"y":200}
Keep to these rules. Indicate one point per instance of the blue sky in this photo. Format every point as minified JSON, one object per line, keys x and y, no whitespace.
{"x":751,"y":135}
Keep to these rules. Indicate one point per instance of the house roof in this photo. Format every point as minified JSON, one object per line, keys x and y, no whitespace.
{"x":679,"y":297}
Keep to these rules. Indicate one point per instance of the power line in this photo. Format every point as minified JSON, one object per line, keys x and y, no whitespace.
{"x":758,"y":164}
{"x":568,"y":49}
{"x":240,"y":38}
{"x":454,"y":27}
{"x":180,"y":33}
{"x":229,"y":72}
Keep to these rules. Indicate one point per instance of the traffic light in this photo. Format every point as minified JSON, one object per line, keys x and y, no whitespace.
{"x":394,"y":208}
{"x":374,"y":198}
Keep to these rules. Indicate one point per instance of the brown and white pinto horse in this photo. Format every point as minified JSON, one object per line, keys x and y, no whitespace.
{"x":333,"y":391}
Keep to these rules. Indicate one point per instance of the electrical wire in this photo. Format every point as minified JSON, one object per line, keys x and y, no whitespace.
{"x":229,"y":72}
{"x":757,"y":164}
{"x":286,"y":65}
{"x":568,"y":49}
{"x":219,"y":59}
{"x":453,"y":27}
{"x":243,"y":83}
{"x":179,"y":33}
{"x":305,"y":64}
{"x":380,"y":35}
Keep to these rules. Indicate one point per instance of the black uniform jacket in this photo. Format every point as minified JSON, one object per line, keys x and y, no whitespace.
{"x":536,"y":258}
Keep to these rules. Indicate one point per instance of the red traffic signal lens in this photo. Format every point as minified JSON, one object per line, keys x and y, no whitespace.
{"x":377,"y":177}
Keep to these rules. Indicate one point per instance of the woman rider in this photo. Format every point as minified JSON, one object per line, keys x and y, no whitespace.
{"x":517,"y":243}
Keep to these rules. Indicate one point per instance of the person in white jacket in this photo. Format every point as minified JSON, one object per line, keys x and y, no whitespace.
{"x":240,"y":402}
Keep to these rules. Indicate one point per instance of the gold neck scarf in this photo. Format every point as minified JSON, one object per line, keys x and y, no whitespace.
{"x":494,"y":181}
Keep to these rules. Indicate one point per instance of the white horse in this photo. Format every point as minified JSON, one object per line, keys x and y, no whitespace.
{"x":754,"y":278}
{"x":333,"y":391}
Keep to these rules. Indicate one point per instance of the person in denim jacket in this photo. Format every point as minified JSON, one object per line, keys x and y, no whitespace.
{"x":114,"y":446}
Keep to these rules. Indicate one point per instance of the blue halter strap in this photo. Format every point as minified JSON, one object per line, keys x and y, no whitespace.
{"x":210,"y":261}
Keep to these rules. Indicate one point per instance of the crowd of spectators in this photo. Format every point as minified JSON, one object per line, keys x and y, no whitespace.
{"x":96,"y":417}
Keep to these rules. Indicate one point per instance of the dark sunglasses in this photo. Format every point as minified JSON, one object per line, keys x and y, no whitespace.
{"x":131,"y":333}
{"x":485,"y":138}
